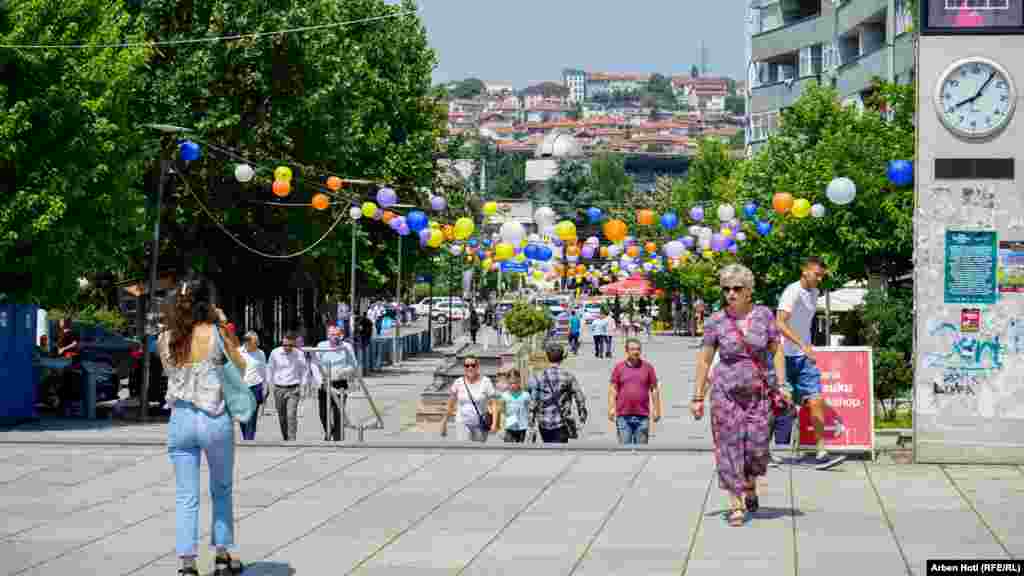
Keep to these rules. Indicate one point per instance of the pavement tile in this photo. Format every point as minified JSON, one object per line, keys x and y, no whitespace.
{"x":997,"y":493}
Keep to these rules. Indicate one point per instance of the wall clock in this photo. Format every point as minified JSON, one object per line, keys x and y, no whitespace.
{"x":975,"y":98}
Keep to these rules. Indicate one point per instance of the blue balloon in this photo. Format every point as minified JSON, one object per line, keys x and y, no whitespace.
{"x":594,"y":214}
{"x":901,"y":172}
{"x":472,"y":242}
{"x":189,"y":150}
{"x":487,"y":242}
{"x":750,"y":209}
{"x":545,"y":254}
{"x":764,"y":227}
{"x":669,"y":220}
{"x":416,"y":220}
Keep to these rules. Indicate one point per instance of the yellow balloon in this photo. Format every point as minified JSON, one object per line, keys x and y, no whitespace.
{"x":708,"y":254}
{"x":464,"y":228}
{"x":369,"y":209}
{"x":565,"y":230}
{"x":491,"y":208}
{"x":726,"y":232}
{"x":538,"y":274}
{"x":436,"y":238}
{"x":504,"y":251}
{"x":283,"y":173}
{"x":520,"y":258}
{"x":801,"y":208}
{"x":434,"y":224}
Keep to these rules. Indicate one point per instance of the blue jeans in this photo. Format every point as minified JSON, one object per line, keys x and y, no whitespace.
{"x":249,"y":428}
{"x":190,"y":431}
{"x":633,"y":429}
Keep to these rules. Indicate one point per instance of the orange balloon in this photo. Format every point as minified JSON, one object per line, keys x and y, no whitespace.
{"x":321,"y":202}
{"x":449,"y":232}
{"x":581,"y":269}
{"x":645,"y":217}
{"x":487,"y":254}
{"x":782,"y":202}
{"x":282,"y":188}
{"x":615,"y":230}
{"x":572,"y":250}
{"x":334,"y":183}
{"x":659,"y":293}
{"x":603,"y":252}
{"x":633,"y":251}
{"x":651,"y":247}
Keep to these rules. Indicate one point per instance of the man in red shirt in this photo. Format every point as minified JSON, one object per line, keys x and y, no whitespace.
{"x":633,"y":395}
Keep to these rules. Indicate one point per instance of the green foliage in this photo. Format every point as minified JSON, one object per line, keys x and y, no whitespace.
{"x":736,"y":105}
{"x":469,"y":88}
{"x":547,"y":90}
{"x":69,"y":164}
{"x":92,"y":315}
{"x":608,"y":178}
{"x":888,"y":329}
{"x":709,"y":168}
{"x":525,"y":320}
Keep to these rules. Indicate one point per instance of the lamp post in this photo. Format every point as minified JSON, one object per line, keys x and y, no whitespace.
{"x":354,"y":213}
{"x":165,"y":172}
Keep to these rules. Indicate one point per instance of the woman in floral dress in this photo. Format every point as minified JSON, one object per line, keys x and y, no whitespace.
{"x":747,"y":341}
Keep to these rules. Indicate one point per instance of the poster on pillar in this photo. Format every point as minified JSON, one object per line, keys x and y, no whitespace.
{"x":847,"y":387}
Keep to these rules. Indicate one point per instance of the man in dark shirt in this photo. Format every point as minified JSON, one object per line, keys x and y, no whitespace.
{"x":364,"y":335}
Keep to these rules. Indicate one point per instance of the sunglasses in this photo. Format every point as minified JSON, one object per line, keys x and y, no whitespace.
{"x":728,"y":289}
{"x":470,"y":365}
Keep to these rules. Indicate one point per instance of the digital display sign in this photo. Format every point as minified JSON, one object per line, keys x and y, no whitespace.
{"x":972,"y":16}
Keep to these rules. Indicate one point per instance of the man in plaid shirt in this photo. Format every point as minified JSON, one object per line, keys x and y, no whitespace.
{"x":553,"y":391}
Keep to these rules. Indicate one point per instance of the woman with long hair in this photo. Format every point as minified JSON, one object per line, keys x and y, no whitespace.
{"x":193,"y":349}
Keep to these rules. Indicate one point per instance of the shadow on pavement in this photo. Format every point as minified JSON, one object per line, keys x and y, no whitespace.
{"x":47,"y":420}
{"x":763,"y":513}
{"x":269,"y":569}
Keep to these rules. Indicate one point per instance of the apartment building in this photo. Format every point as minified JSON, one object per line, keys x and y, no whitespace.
{"x":841,"y":43}
{"x":576,"y":81}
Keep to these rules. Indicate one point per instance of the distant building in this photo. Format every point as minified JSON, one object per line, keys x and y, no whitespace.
{"x":499,"y":88}
{"x":576,"y":82}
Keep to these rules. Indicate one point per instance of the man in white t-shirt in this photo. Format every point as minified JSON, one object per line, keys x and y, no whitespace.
{"x":797,"y":306}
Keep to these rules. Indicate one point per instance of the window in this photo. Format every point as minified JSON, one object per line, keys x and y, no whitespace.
{"x":770,"y":16}
{"x":904,"y":18}
{"x":763,"y":125}
{"x":810,"y":60}
{"x":830,"y":57}
{"x":978,"y":4}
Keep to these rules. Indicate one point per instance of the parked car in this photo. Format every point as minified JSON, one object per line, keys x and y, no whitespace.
{"x":458,"y":311}
{"x":423,"y":307}
{"x":105,"y":357}
{"x":555,"y":304}
{"x":591,"y":311}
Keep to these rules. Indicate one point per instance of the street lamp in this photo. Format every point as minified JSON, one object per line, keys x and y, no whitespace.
{"x":165,"y":171}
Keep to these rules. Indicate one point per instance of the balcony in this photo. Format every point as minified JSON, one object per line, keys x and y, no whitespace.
{"x":791,"y":36}
{"x":779,"y":95}
{"x":904,"y":54}
{"x":854,"y":77}
{"x":853,"y":14}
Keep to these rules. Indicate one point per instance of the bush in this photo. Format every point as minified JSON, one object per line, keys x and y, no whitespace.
{"x":887,"y":320}
{"x":111,"y":320}
{"x":525,"y":320}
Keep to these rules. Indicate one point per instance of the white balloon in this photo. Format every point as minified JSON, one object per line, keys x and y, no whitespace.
{"x":573,"y":259}
{"x":548,"y":230}
{"x":455,"y":249}
{"x":355,"y":213}
{"x":841,"y":190}
{"x":513,"y":233}
{"x":614,"y":250}
{"x":741,"y":236}
{"x":817,"y":210}
{"x":674,"y":249}
{"x":726,"y":212}
{"x":244,"y":173}
{"x":544,"y":216}
{"x":533,"y":238}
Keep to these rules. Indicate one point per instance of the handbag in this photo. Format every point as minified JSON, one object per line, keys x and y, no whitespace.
{"x":777,"y":401}
{"x":485,"y":421}
{"x":238,"y":397}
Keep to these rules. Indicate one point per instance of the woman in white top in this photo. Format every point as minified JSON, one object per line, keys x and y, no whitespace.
{"x":255,"y":376}
{"x":192,"y":351}
{"x":474,"y":395}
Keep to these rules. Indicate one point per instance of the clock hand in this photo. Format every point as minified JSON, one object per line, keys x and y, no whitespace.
{"x":978,"y":93}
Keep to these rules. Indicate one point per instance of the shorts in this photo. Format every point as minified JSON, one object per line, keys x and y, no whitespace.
{"x":805,"y":378}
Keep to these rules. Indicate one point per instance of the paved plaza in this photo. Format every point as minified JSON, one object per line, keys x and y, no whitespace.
{"x":99,"y":498}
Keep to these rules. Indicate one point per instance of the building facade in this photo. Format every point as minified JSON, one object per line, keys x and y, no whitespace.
{"x":841,"y":43}
{"x":576,"y":81}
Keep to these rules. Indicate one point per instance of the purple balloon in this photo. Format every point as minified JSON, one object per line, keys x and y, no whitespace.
{"x":404,"y":231}
{"x":588,"y":251}
{"x":424,"y":236}
{"x":397,"y":223}
{"x":689,"y":241}
{"x":378,"y":214}
{"x":697,"y":213}
{"x":386,"y":197}
{"x":438,"y":203}
{"x":717,"y":242}
{"x":733,"y":248}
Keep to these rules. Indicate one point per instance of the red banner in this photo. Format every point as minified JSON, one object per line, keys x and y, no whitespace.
{"x":847,"y":386}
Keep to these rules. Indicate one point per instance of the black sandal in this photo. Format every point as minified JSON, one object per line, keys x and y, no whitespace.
{"x":751,"y":503}
{"x":223,"y":567}
{"x":188,"y":572}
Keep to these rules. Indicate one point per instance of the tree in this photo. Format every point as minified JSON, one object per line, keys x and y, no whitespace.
{"x":469,"y":88}
{"x":885,"y":315}
{"x":547,"y":90}
{"x":708,"y":168}
{"x":736,"y":105}
{"x":569,"y":192}
{"x":612,"y":186}
{"x":70,"y":164}
{"x":819,"y":139}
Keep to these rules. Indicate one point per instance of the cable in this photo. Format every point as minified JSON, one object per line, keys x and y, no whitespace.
{"x":211,"y":40}
{"x":253,"y":250}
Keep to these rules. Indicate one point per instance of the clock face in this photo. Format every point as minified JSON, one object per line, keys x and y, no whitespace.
{"x":975,"y":98}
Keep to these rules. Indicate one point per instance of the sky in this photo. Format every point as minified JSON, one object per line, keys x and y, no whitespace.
{"x":524,"y":42}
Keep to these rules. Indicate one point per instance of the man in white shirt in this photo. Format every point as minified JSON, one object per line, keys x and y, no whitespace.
{"x":336,"y":366}
{"x":286,"y":371}
{"x":797,"y":306}
{"x":255,"y":376}
{"x":599,"y":329}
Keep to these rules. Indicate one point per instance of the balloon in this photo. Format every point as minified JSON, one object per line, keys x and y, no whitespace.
{"x":404,"y":229}
{"x":718,"y":243}
{"x":388,"y":216}
{"x":417,"y":221}
{"x":464,"y":228}
{"x":281,"y":188}
{"x":741,"y":236}
{"x":733,"y":249}
{"x":378,"y":214}
{"x":545,"y":254}
{"x":283,"y":174}
{"x":398,"y":223}
{"x":708,"y":254}
{"x":548,"y":230}
{"x":645,"y":217}
{"x":726,"y":231}
{"x":689,"y":241}
{"x":355,"y":213}
{"x":544,"y":216}
{"x":726,"y":212}
{"x":901,"y":172}
{"x":801,"y":208}
{"x":633,"y":251}
{"x":615,"y":230}
{"x":817,"y":210}
{"x":750,"y":209}
{"x":424,"y":233}
{"x":334,"y":183}
{"x":504,"y":251}
{"x":486,"y":264}
{"x":244,"y":173}
{"x":782,"y":202}
{"x":651,"y":247}
{"x":436,"y":238}
{"x":565,"y":230}
{"x":764,"y":227}
{"x":531,"y":251}
{"x":572,"y":251}
{"x":512,"y":233}
{"x":669,"y":220}
{"x":455,"y":249}
{"x":321,"y":202}
{"x":594,"y":215}
{"x":696,"y":213}
{"x":369,"y":208}
{"x":841,"y":191}
{"x":588,"y":251}
{"x":603,"y":252}
{"x":449,"y":232}
{"x":189,"y":151}
{"x":491,"y":208}
{"x":386,"y":197}
{"x":674,"y":249}
{"x":438,"y":203}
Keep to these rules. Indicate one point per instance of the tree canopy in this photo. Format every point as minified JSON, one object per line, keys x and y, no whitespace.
{"x":469,"y":88}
